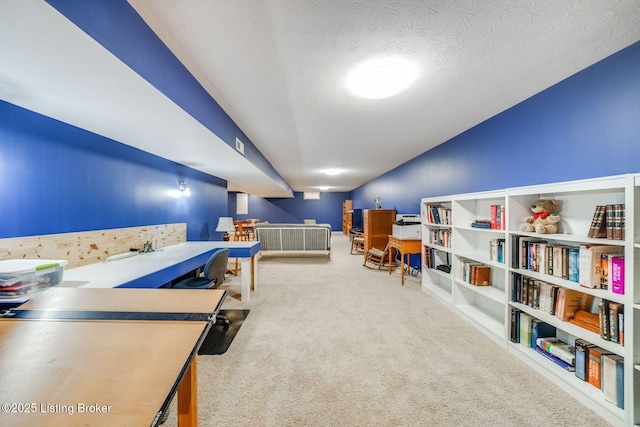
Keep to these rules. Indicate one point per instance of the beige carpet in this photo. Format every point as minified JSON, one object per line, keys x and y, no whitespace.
{"x":331,"y":343}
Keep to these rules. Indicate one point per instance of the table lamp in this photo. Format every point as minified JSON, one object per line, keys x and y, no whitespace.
{"x":225,"y":224}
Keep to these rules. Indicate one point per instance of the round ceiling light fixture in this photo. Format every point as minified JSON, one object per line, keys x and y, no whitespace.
{"x":381,"y":78}
{"x":333,"y":171}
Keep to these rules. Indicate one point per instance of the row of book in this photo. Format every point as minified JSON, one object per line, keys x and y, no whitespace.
{"x":611,"y":319}
{"x":440,"y":237}
{"x":570,"y":305}
{"x":531,"y":333}
{"x":536,"y":254}
{"x":475,"y":273}
{"x":434,"y":258}
{"x":608,"y":222}
{"x":496,"y":220}
{"x":437,"y":214}
{"x":590,"y":363}
{"x":587,"y":264}
{"x":549,"y":298}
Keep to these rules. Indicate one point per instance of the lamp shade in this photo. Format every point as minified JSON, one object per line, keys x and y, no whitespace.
{"x":225,"y":223}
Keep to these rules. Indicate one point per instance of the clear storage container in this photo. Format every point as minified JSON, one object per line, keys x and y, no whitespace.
{"x":20,"y":277}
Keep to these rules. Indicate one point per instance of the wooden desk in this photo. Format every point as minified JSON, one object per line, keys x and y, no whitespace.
{"x":405,"y":246}
{"x":103,"y":372}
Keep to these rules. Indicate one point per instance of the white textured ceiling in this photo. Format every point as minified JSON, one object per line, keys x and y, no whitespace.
{"x":278,"y":68}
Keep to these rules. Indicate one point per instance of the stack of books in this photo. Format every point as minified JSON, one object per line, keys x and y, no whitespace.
{"x":558,"y":351}
{"x":608,"y":222}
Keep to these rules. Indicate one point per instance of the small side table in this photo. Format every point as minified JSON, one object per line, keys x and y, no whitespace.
{"x":405,"y":246}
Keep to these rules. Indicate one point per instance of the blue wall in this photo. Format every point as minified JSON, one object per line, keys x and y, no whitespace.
{"x":327,"y":210}
{"x":57,"y":178}
{"x":585,"y":126}
{"x":118,"y":28}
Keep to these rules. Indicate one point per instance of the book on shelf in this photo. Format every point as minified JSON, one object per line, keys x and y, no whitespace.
{"x":560,"y":261}
{"x":603,"y":316}
{"x":481,"y":275}
{"x":587,"y":320}
{"x":604,"y":270}
{"x":582,"y":357}
{"x":608,"y":222}
{"x":589,"y":270}
{"x":616,"y":274}
{"x":615,"y":309}
{"x":598,"y":228}
{"x":558,"y":348}
{"x":496,"y":250}
{"x":615,"y":214}
{"x":535,"y":293}
{"x":494,"y":216}
{"x":556,"y":360}
{"x":516,"y":287}
{"x":594,"y":366}
{"x":569,"y":301}
{"x":618,"y":226}
{"x":574,"y":264}
{"x":497,"y":217}
{"x":515,"y":251}
{"x":479,"y":223}
{"x":514,"y":331}
{"x":438,"y":214}
{"x":440,"y":237}
{"x":611,"y":321}
{"x":525,"y":329}
{"x":613,"y":378}
{"x":540,"y":329}
{"x":475,"y":273}
{"x":542,"y":250}
{"x":526,"y":251}
{"x":621,"y":327}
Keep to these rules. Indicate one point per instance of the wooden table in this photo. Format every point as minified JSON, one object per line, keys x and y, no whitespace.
{"x":59,"y":366}
{"x":405,"y":246}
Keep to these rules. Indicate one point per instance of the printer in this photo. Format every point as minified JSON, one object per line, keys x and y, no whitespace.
{"x":407,"y":226}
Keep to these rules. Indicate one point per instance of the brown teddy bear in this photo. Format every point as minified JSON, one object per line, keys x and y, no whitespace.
{"x":544,"y":219}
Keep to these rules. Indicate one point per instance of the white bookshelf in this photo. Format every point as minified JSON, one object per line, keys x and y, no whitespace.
{"x":489,"y":307}
{"x":485,"y":306}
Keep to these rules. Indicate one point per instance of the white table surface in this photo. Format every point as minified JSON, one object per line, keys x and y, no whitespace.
{"x":111,"y":274}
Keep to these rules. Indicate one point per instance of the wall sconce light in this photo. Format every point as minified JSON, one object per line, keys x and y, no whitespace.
{"x":185,"y":190}
{"x":225,"y":223}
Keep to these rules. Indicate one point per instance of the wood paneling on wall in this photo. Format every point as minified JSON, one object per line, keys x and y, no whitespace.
{"x":88,"y":247}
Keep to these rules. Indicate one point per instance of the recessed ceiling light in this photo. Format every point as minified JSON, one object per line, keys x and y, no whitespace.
{"x":323,"y":188}
{"x":333,"y":171}
{"x":381,"y":78}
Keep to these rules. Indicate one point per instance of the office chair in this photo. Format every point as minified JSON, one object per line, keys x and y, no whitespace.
{"x":212,"y":277}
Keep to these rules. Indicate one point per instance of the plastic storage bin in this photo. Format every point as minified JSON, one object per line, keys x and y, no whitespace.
{"x":20,"y":277}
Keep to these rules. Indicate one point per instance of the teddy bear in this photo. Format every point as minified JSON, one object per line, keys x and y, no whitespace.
{"x":544,"y":219}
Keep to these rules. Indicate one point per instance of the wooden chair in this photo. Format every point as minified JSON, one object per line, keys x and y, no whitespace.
{"x":376,"y":256}
{"x":251,"y":224}
{"x":241,"y":231}
{"x":357,"y":244}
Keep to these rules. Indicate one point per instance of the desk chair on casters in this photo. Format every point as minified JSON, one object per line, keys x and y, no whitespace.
{"x":212,"y":277}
